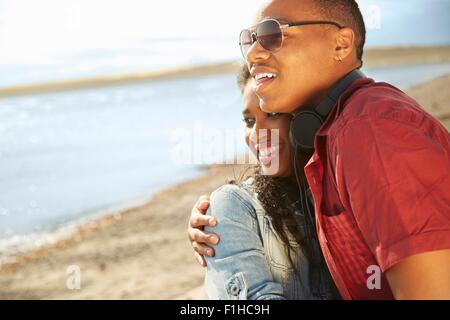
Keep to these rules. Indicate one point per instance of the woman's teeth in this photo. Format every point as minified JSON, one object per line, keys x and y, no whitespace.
{"x":266,"y":155}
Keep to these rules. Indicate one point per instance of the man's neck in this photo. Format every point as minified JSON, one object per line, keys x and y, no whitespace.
{"x":327,"y":87}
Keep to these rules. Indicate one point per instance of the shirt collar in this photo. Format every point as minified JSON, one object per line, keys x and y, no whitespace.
{"x":337,"y":109}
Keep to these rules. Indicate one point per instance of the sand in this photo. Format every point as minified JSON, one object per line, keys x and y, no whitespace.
{"x":387,"y":57}
{"x":143,"y":252}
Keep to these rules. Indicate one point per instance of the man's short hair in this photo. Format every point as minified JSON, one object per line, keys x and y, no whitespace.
{"x":348,"y":14}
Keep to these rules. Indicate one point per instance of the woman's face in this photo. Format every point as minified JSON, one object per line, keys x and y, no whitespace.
{"x":267,"y":136}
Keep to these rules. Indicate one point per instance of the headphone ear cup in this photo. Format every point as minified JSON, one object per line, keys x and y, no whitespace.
{"x":304,"y":127}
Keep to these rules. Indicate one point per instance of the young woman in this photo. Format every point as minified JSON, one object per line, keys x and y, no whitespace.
{"x":267,"y":249}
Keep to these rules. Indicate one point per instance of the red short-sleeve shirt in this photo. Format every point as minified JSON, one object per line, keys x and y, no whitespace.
{"x":380,"y":178}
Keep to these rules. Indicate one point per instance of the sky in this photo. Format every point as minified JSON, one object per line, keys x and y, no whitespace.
{"x":38,"y":33}
{"x":31,"y":30}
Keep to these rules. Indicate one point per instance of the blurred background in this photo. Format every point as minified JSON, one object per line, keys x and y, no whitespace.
{"x":91,"y":94}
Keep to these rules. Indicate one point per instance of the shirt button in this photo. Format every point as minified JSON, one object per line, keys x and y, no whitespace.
{"x":235,"y":289}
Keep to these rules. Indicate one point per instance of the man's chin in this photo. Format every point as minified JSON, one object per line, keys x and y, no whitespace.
{"x":266,"y":105}
{"x":271,"y":105}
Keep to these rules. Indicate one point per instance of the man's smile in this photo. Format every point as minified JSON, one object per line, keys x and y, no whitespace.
{"x":262,"y":76}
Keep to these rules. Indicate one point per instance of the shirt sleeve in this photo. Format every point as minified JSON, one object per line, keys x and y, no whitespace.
{"x":239,"y":270}
{"x":397,"y":177}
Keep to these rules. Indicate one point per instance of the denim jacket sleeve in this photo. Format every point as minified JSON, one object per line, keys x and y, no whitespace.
{"x":239,"y":270}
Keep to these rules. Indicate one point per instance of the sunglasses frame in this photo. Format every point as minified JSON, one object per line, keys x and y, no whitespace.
{"x":255,"y":38}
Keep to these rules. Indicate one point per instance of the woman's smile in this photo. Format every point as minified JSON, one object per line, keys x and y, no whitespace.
{"x":266,"y":154}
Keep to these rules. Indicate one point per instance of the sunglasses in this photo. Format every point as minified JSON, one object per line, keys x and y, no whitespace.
{"x":269,"y":34}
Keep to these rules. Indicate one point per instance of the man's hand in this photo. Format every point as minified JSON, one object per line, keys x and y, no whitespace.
{"x":199,"y":238}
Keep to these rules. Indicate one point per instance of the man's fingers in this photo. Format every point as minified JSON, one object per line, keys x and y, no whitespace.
{"x":202,"y":249}
{"x":200,"y":259}
{"x":199,"y":220}
{"x":207,"y":238}
{"x":203,"y":237}
{"x":202,"y":204}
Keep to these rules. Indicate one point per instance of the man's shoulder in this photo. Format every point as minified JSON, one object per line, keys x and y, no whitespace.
{"x":380,"y":102}
{"x":382,"y":111}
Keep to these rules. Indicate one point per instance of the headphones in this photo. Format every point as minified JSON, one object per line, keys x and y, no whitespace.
{"x":302,"y":133}
{"x":305,"y":124}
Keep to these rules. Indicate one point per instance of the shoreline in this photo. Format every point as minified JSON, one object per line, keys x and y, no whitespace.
{"x":142,"y":252}
{"x":376,"y":57}
{"x":107,"y":223}
{"x":18,"y":247}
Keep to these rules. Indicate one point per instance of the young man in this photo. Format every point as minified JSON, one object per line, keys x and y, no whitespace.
{"x":380,"y":172}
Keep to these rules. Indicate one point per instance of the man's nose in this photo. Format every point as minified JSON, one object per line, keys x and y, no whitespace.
{"x":256,"y":53}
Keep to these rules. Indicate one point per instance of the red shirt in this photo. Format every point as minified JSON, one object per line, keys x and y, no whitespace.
{"x":380,"y":178}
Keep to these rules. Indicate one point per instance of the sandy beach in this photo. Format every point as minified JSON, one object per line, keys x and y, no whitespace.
{"x":143,"y":252}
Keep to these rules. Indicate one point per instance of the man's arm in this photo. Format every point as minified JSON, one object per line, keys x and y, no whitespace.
{"x":397,"y":173}
{"x":422,"y":276}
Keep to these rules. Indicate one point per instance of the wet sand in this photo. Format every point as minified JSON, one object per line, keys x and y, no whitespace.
{"x":143,"y":252}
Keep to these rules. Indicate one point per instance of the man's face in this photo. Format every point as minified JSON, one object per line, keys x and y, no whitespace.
{"x":302,"y":65}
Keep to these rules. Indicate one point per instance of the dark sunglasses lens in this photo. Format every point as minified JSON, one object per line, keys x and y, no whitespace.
{"x":245,"y":41}
{"x":269,"y":35}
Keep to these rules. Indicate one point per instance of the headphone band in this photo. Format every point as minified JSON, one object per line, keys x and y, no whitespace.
{"x":324,"y":108}
{"x":305,"y":124}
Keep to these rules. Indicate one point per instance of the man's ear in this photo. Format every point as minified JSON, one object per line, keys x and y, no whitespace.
{"x":345,"y":44}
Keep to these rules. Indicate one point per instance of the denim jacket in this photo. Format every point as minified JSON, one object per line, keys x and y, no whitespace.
{"x":250,"y":260}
